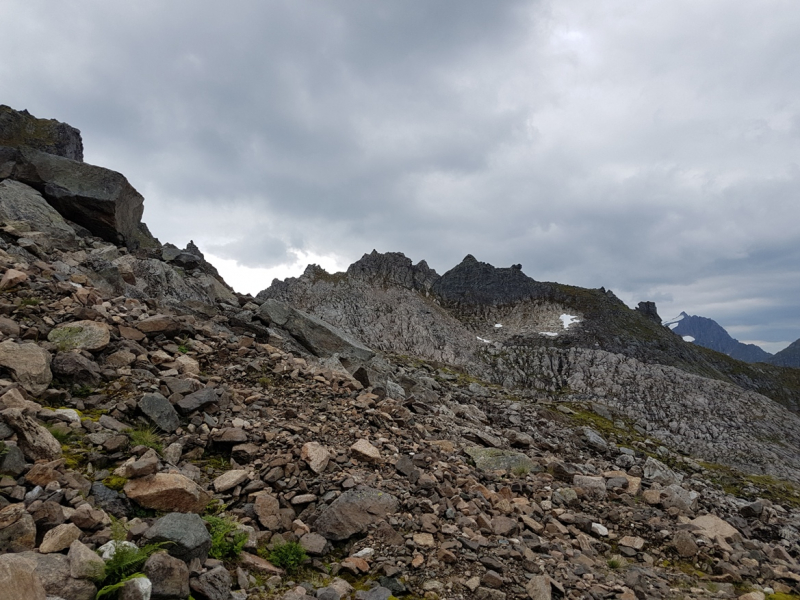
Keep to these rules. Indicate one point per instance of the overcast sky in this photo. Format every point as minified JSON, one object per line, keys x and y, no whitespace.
{"x":648,"y":147}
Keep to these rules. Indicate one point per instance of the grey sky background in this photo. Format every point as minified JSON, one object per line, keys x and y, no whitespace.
{"x":648,"y":147}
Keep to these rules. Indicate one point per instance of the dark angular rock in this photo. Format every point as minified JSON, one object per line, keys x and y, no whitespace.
{"x":110,"y":501}
{"x":197,"y":401}
{"x":76,"y":368}
{"x":214,"y":584}
{"x":159,"y":410}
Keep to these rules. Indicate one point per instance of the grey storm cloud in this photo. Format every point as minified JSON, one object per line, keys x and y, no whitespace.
{"x":648,"y":147}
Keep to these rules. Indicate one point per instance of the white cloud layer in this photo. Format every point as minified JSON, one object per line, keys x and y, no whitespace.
{"x":648,"y":147}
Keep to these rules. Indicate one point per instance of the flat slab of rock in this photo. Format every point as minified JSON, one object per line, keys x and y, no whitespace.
{"x":354,"y":511}
{"x":98,"y":199}
{"x":25,"y":209}
{"x":29,"y":365}
{"x":197,"y":400}
{"x":167,"y":491}
{"x":229,"y":480}
{"x":320,"y":338}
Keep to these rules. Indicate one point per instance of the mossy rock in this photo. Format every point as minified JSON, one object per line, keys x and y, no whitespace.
{"x":495,"y":459}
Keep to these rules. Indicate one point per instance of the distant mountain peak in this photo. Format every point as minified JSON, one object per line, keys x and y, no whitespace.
{"x":710,"y":334}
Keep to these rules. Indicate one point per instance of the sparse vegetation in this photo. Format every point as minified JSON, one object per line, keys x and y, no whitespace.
{"x":289,"y":556}
{"x":145,"y":436}
{"x":227,"y":540}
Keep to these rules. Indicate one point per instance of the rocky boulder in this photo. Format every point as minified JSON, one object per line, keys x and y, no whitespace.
{"x":22,"y":129}
{"x":98,"y":199}
{"x":18,"y":580}
{"x":167,"y":491}
{"x":81,"y":335}
{"x":28,"y":364}
{"x":36,"y":442}
{"x":352,"y":512}
{"x":185,"y":536}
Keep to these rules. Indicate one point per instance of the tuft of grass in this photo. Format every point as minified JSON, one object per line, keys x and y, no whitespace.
{"x":227,"y":541}
{"x":145,"y":436}
{"x":288,"y":556}
{"x":615,"y":563}
{"x":520,"y":470}
{"x":30,"y":302}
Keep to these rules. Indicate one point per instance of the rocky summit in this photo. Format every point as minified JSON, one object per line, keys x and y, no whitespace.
{"x":387,"y":432}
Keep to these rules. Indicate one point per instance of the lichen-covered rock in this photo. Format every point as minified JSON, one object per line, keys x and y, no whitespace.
{"x":19,"y":128}
{"x":494,"y":459}
{"x":81,"y":335}
{"x":25,"y":209}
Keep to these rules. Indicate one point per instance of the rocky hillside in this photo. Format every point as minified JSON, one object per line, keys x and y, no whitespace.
{"x":788,"y":357}
{"x":710,"y":334}
{"x":475,"y":314}
{"x":163,"y":437}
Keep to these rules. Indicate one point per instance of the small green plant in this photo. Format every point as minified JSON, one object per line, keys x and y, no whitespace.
{"x":126,"y":562}
{"x":62,"y":437}
{"x":288,"y":556}
{"x":145,"y":436}
{"x":520,"y":471}
{"x":29,"y":302}
{"x":82,"y":391}
{"x":227,"y":540}
{"x":615,"y":563}
{"x":183,"y":349}
{"x":215,"y":507}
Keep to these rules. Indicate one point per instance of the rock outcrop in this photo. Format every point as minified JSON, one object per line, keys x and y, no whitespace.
{"x":20,"y":128}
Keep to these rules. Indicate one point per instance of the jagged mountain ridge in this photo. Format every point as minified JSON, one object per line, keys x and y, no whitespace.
{"x":710,"y":334}
{"x":453,"y":318}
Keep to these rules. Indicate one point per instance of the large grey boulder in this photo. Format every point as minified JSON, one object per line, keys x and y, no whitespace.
{"x":20,"y":128}
{"x":317,"y":336}
{"x":98,"y":199}
{"x":53,"y":571}
{"x":352,"y":512}
{"x":26,"y":210}
{"x":185,"y":535}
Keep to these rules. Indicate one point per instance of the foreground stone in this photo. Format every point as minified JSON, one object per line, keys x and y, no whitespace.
{"x":18,"y":580}
{"x":185,"y":536}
